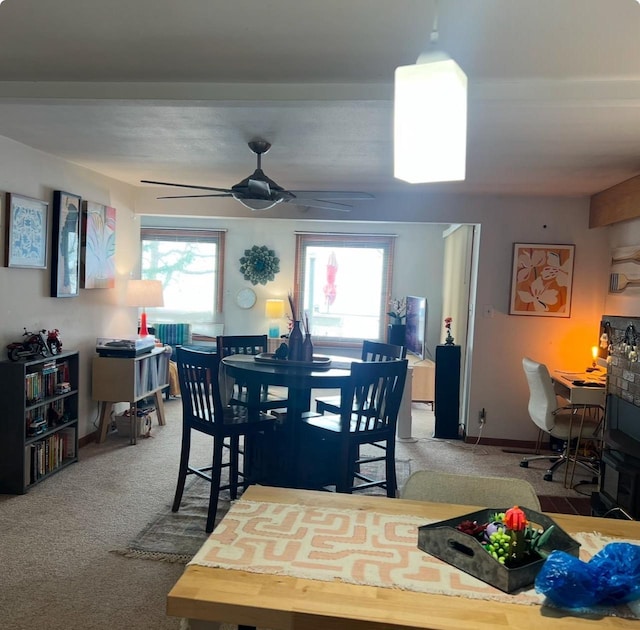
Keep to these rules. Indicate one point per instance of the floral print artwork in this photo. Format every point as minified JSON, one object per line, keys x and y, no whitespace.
{"x":541,"y":280}
{"x":99,"y":246}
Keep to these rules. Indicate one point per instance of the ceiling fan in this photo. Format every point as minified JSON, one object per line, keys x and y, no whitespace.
{"x":259,"y":192}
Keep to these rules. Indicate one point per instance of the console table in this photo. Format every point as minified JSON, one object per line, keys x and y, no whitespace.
{"x":123,"y":379}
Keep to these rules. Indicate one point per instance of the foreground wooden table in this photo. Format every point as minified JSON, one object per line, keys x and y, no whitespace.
{"x":281,"y":603}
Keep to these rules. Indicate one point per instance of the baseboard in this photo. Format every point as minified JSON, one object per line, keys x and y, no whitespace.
{"x":527,"y":445}
{"x":88,"y":439}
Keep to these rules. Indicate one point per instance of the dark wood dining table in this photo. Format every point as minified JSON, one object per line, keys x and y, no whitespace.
{"x":299,"y":382}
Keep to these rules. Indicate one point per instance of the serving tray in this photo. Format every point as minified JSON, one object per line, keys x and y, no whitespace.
{"x":319,"y":361}
{"x":465,"y":552}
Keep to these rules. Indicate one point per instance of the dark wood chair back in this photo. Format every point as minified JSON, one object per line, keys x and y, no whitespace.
{"x":241,"y":344}
{"x":368,"y":415}
{"x":249,"y":344}
{"x":377,"y":351}
{"x":203,"y":410}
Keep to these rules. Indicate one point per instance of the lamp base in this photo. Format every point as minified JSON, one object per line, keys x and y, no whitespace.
{"x":274,"y":331}
{"x":144,"y":331}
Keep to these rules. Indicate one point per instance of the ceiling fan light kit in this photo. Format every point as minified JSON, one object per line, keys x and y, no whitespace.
{"x":259,"y":192}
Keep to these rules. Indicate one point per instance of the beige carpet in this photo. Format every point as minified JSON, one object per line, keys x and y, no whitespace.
{"x":58,"y":569}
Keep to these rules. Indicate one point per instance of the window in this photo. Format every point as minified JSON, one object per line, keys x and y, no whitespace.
{"x":343,"y":284}
{"x":189,"y":264}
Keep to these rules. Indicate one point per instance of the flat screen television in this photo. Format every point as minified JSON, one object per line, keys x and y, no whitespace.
{"x":416,"y":325}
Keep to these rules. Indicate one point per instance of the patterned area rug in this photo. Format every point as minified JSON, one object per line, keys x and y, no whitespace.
{"x":177,"y":536}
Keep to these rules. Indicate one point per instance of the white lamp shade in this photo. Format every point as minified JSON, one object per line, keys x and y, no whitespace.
{"x":274,"y":309}
{"x":430,"y":120}
{"x":144,"y":293}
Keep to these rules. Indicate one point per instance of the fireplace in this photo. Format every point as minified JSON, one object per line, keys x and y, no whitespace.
{"x":619,"y":491}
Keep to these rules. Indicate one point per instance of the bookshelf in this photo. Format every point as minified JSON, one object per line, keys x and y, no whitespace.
{"x":129,"y":379}
{"x":39,"y":422}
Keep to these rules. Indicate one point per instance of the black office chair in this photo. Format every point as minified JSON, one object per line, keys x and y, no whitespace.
{"x":248,"y":344}
{"x":330,"y":444}
{"x":371,"y":351}
{"x":203,"y":410}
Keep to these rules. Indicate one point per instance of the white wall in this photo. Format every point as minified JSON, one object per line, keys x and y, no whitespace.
{"x":497,"y":382}
{"x":24,"y":293}
{"x":417,"y":267}
{"x":497,"y":379}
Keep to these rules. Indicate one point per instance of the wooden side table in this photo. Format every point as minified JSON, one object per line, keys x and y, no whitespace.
{"x":123,"y":379}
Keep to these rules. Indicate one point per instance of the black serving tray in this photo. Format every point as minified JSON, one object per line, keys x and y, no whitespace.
{"x":465,"y":552}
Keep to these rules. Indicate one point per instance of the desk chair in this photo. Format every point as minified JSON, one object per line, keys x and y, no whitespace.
{"x":202,"y":410}
{"x":560,"y":422}
{"x":490,"y":492}
{"x":371,"y":351}
{"x":330,"y":444}
{"x":248,"y":344}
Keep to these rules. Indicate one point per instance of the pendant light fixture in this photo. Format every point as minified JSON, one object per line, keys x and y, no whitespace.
{"x":430,"y":117}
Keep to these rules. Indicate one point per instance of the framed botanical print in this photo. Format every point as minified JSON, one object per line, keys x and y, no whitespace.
{"x":26,"y":225}
{"x":541,"y":280}
{"x":65,"y":251}
{"x":97,"y":266}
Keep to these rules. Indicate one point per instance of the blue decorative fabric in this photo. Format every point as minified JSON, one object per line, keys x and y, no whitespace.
{"x":173,"y":334}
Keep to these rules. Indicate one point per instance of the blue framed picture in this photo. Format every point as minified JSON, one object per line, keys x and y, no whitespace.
{"x":26,"y":232}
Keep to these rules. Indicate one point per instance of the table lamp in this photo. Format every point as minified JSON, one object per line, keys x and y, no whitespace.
{"x":143,"y":293}
{"x":274,"y":310}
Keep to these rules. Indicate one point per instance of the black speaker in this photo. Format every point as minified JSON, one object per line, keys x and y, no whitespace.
{"x":447,"y":402}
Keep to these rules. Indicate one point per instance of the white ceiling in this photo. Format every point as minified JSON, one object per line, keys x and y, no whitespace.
{"x":172,"y":91}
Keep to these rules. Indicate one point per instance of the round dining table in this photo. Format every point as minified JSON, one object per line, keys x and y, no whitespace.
{"x":255,"y":373}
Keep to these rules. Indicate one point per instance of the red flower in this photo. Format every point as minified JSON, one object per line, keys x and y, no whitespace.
{"x":515,"y":519}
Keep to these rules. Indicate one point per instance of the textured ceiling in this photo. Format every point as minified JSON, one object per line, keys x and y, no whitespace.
{"x":165,"y":90}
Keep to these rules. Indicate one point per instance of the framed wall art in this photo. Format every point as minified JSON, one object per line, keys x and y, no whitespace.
{"x":65,"y":251}
{"x":541,"y":280}
{"x":26,"y":225}
{"x":97,"y":266}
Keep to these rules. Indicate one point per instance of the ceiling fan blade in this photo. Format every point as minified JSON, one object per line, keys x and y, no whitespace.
{"x":331,"y":194}
{"x":148,"y":181}
{"x":195,"y":196}
{"x":324,"y":205}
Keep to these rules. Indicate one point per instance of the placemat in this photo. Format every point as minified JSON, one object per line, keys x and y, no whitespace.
{"x":358,"y":547}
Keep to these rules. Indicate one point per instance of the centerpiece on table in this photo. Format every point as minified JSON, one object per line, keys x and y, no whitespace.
{"x":505,"y":548}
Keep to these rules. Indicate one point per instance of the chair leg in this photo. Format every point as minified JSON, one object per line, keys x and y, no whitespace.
{"x":234,"y":449}
{"x":216,"y":471}
{"x":390,"y":463}
{"x":183,"y":469}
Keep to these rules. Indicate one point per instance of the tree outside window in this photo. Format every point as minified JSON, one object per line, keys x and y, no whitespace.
{"x":188,"y":263}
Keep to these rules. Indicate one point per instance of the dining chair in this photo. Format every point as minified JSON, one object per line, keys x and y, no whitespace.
{"x":482,"y":491}
{"x":203,"y":411}
{"x":249,"y":344}
{"x":330,"y":444}
{"x":561,"y":421}
{"x":371,"y":351}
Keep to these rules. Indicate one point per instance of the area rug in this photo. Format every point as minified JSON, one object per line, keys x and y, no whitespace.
{"x":177,"y":536}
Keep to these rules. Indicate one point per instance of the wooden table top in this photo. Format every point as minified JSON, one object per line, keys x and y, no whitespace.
{"x":281,"y":602}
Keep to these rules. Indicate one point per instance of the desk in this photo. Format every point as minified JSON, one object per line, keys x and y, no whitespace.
{"x":299,"y":381}
{"x":581,"y":396}
{"x":282,"y":602}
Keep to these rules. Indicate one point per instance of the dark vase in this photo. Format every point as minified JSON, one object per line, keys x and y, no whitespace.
{"x":397,"y":334}
{"x":307,"y":348}
{"x":295,"y":343}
